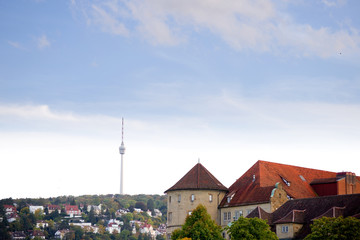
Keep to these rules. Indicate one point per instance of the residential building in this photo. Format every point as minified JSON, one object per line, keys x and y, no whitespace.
{"x":293,"y":219}
{"x":52,"y":208}
{"x":72,"y":210}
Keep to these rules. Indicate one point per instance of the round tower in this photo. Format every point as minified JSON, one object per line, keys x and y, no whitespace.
{"x":198,"y":186}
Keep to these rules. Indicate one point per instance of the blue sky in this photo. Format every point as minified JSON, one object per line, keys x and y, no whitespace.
{"x":229,"y":82}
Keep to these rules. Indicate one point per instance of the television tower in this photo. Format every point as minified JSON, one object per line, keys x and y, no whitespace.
{"x":122,"y":152}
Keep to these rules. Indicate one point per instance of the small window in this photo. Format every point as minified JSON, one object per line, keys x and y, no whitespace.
{"x":284,"y":229}
{"x":179,"y":198}
{"x":169,"y":199}
{"x":210,"y":197}
{"x":170,"y":217}
{"x":192,"y":197}
{"x":225,"y":216}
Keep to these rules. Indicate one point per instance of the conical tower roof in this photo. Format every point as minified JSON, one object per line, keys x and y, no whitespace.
{"x":198,"y":178}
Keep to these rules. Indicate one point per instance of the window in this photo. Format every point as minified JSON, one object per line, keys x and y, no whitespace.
{"x":192,"y":197}
{"x":285,"y":229}
{"x":169,"y":199}
{"x":238,"y":214}
{"x":170,"y":217}
{"x":179,"y":198}
{"x":286,"y":181}
{"x":210,"y":197}
{"x":225,"y":216}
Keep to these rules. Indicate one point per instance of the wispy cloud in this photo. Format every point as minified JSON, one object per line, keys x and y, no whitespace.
{"x":43,"y":42}
{"x":34,"y":112}
{"x":16,"y":45}
{"x":259,"y":25}
{"x":333,"y":3}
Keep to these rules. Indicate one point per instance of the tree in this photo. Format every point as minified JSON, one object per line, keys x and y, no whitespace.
{"x":198,"y":225}
{"x":250,"y":228}
{"x":335,"y":228}
{"x":150,"y":204}
{"x":140,"y":205}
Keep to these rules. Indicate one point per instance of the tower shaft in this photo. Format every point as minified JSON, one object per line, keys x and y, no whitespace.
{"x":122,"y":152}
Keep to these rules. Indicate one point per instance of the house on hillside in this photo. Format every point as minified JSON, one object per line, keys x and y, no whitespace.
{"x":72,"y":210}
{"x":53,"y":208}
{"x":266,"y":186}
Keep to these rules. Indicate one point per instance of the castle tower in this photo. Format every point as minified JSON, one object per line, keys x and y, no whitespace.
{"x":198,"y":186}
{"x":122,"y":152}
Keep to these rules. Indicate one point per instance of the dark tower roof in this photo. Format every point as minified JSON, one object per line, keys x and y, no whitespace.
{"x":198,"y":178}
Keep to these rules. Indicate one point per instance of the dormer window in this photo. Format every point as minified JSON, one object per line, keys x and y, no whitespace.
{"x":230,"y":197}
{"x":286,"y":181}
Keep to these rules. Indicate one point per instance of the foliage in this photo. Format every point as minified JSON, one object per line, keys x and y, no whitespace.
{"x":335,"y":228}
{"x":198,"y":225}
{"x":250,"y":228}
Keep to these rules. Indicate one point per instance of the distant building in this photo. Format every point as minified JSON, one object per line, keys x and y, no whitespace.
{"x":33,"y":209}
{"x":53,"y":208}
{"x":72,"y":210}
{"x":266,"y":186}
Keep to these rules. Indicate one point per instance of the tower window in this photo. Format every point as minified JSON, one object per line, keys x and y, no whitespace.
{"x":170,"y":217}
{"x":179,"y":198}
{"x":210,"y":197}
{"x":169,"y":199}
{"x":192,"y":197}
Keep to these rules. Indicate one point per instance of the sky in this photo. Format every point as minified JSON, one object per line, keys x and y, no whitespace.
{"x":225,"y":83}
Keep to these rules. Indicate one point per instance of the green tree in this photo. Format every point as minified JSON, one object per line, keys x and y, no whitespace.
{"x":250,"y":228}
{"x":150,"y":204}
{"x":198,"y":225}
{"x":140,"y":205}
{"x":335,"y":228}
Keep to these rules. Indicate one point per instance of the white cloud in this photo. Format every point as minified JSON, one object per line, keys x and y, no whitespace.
{"x":258,"y":25}
{"x":43,"y":42}
{"x":241,"y":132}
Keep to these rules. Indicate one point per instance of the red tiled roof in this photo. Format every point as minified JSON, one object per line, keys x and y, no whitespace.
{"x":198,"y":178}
{"x":256,"y":184}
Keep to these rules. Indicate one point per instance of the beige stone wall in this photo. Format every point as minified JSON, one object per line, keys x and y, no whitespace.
{"x":278,"y":198}
{"x":178,"y":209}
{"x":235,"y":211}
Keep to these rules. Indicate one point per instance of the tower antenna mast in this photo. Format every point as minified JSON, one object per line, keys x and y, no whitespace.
{"x":122,"y":152}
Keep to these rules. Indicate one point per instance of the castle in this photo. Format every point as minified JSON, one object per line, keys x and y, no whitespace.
{"x":263,"y":189}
